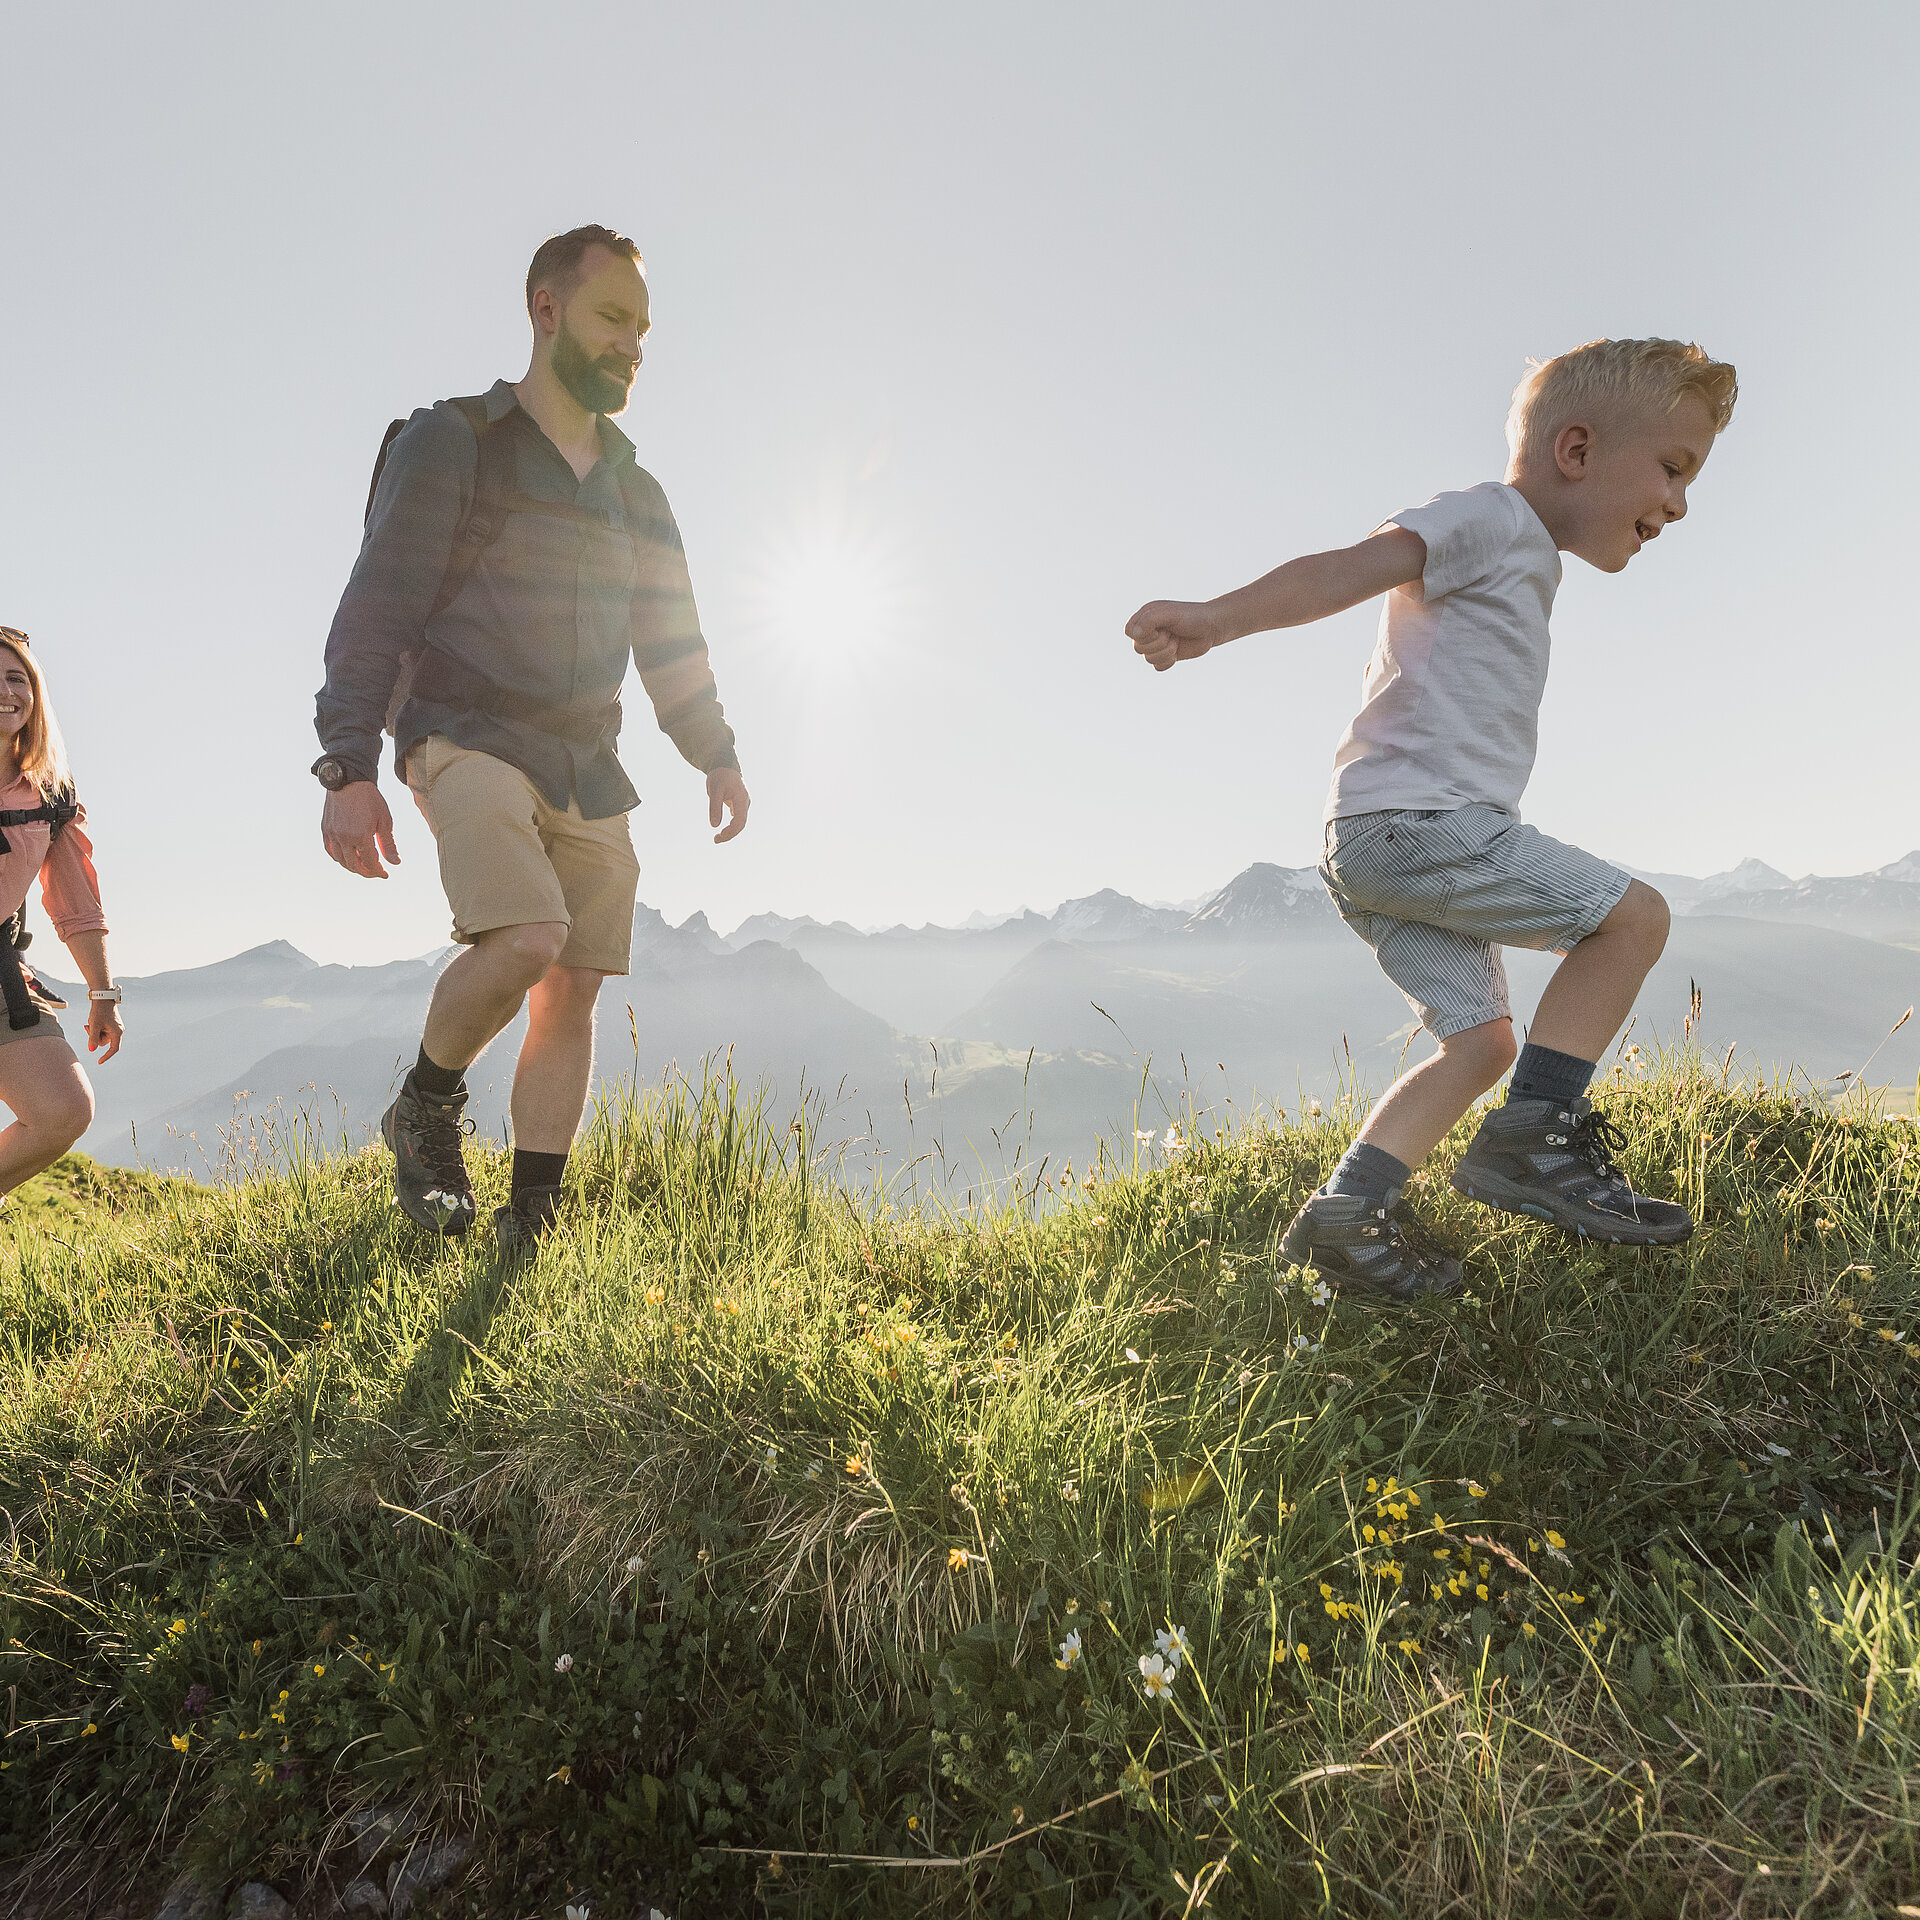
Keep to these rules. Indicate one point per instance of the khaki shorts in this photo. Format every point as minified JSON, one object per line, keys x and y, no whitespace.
{"x":509,"y":858}
{"x":48,"y":1028}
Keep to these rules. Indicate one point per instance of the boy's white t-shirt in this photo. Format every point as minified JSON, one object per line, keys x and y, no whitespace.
{"x":1451,"y":715}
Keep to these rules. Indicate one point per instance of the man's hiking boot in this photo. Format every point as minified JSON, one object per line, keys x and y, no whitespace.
{"x":429,"y":1174}
{"x":1369,"y":1248}
{"x":1553,"y":1160}
{"x":520,"y":1226}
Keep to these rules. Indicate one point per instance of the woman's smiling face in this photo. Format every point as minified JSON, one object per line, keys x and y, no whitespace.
{"x":16,"y":693}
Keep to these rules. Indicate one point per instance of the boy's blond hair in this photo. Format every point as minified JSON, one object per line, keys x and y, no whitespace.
{"x":1610,"y":377}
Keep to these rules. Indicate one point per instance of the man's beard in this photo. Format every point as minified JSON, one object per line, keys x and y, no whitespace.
{"x":601,"y":386}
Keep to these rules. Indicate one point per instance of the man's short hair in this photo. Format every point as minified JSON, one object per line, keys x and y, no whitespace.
{"x":556,"y":263}
{"x":1611,"y":377}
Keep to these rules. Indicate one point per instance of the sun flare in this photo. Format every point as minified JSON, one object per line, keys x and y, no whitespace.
{"x":832,"y":595}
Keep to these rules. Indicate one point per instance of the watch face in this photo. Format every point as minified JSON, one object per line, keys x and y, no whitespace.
{"x":333,"y":776}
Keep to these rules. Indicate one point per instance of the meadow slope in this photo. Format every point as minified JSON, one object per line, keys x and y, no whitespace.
{"x":769,"y":1547}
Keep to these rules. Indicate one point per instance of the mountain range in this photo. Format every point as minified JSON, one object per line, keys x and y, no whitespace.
{"x":996,"y":1043}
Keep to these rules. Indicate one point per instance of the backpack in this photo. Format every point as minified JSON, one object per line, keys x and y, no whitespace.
{"x":21,"y":989}
{"x":436,"y":675}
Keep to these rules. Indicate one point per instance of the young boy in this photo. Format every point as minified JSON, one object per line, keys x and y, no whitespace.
{"x":1425,"y":855}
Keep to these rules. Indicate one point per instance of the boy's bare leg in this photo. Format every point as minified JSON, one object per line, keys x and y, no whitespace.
{"x":482,"y":988}
{"x":1417,"y":1111}
{"x":556,"y":1060}
{"x":1593,"y":989}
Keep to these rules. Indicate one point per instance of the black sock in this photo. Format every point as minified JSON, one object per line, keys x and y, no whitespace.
{"x":1368,"y":1169}
{"x":1542,"y":1074}
{"x":534,"y":1170}
{"x":430,"y":1077}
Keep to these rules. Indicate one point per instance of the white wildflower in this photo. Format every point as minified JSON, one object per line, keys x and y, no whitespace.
{"x":1173,"y":1642}
{"x":576,"y":1913}
{"x":773,"y":1454}
{"x":564,"y":1664}
{"x":1134,"y":1357}
{"x":1156,"y":1676}
{"x":1069,"y":1651}
{"x":634,"y":1563}
{"x":1173,"y":1145}
{"x":813,"y":1470}
{"x":1142,"y":1139}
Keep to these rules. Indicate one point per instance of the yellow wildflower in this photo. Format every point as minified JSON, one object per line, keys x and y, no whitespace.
{"x":655,"y":1295}
{"x":90,"y":1728}
{"x":1555,"y":1541}
{"x":180,"y":1741}
{"x":1526,"y":1627}
{"x":956,"y":1559}
{"x":1476,"y":1490}
{"x":319,"y":1671}
{"x":1481,"y":1590}
{"x":853,"y":1463}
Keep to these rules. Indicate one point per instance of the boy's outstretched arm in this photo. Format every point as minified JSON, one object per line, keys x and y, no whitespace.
{"x":1309,"y":588}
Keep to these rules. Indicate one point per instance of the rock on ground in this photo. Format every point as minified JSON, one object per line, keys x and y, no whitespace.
{"x":423,"y":1870}
{"x":189,"y":1898}
{"x":258,"y":1901}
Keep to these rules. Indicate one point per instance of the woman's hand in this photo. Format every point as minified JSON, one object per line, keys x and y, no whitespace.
{"x":104,"y":1030}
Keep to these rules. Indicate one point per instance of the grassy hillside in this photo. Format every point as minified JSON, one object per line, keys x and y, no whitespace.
{"x":760,"y":1518}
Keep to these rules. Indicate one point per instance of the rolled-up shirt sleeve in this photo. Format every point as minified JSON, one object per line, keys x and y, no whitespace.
{"x":669,"y":649}
{"x":69,"y":887}
{"x":424,"y":490}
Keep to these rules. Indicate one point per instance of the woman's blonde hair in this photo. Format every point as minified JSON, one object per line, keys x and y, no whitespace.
{"x":1610,"y":376}
{"x":39,"y":751}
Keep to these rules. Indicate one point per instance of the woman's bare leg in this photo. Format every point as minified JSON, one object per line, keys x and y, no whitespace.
{"x":52,"y":1104}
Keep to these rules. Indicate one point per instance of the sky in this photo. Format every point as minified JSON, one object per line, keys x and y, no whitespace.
{"x":973,"y":329}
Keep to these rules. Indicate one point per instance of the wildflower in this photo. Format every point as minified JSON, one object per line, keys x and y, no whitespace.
{"x":196,"y":1700}
{"x":174,"y":1632}
{"x":1321,"y":1294}
{"x":298,"y":1538}
{"x":1887,"y":1333}
{"x":92,"y":1727}
{"x":258,"y":1644}
{"x":1555,"y":1541}
{"x":1144,"y":1139}
{"x":656,"y":1295}
{"x":563,"y":1773}
{"x":773,"y":1454}
{"x":1526,"y":1627}
{"x":907,"y":1334}
{"x":180,"y":1741}
{"x":1481,"y":1590}
{"x":319,"y":1671}
{"x":1373,"y":1486}
{"x":1157,"y":1676}
{"x":1913,"y":1352}
{"x":576,"y":1913}
{"x":1409,"y":1647}
{"x":1173,"y":1145}
{"x":1098,"y":1220}
{"x":956,"y":1559}
{"x":1070,"y":1491}
{"x":813,"y":1469}
{"x":853,"y":1464}
{"x":1173,"y":1642}
{"x":1313,"y":1109}
{"x":1134,"y":1357}
{"x":1476,"y":1490}
{"x":1854,"y":1320}
{"x":1073,"y":1606}
{"x":1326,"y":1592}
{"x":1443,"y":1553}
{"x":913,"y":1823}
{"x":1302,"y":1653}
{"x":564,"y":1664}
{"x":1439,"y":1523}
{"x":1069,"y":1652}
{"x":326,"y":1326}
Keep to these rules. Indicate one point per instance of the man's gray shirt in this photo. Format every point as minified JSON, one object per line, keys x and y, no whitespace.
{"x":553,"y":609}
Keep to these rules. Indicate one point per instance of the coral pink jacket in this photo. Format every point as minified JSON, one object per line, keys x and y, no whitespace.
{"x":68,"y":884}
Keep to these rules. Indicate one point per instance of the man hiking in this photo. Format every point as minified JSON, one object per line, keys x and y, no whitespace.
{"x":515,"y":558}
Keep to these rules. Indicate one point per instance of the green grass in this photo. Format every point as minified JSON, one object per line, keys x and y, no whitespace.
{"x":1592,"y":1592}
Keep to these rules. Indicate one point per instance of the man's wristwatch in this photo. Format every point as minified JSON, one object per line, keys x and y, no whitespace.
{"x":333,"y":773}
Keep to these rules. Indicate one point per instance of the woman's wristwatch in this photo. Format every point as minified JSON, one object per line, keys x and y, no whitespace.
{"x":111,"y":995}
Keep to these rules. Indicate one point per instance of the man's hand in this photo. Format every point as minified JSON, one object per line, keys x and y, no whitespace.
{"x":1165,"y":631}
{"x":104,"y":1031}
{"x":726,"y":790}
{"x":356,"y":829}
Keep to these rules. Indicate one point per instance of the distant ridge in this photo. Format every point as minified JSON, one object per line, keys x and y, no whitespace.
{"x":1264,"y":900}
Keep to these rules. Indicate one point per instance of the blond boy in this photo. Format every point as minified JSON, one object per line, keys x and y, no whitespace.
{"x":1425,"y":854}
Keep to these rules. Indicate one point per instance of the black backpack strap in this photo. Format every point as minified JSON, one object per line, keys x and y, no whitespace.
{"x":380,"y":464}
{"x":21,"y":1011}
{"x":493,"y":476}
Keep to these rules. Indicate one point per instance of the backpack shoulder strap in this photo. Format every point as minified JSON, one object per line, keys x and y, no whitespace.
{"x":380,"y":465}
{"x":492,"y":488}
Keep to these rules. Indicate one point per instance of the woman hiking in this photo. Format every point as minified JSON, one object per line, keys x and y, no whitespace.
{"x":42,"y":831}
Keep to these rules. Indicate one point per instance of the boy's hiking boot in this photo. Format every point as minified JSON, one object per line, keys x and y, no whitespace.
{"x":429,"y":1174}
{"x":1553,"y":1160}
{"x":1369,"y":1248}
{"x":520,"y":1226}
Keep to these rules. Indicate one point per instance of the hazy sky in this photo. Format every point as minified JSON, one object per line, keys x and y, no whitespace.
{"x":974,"y":327}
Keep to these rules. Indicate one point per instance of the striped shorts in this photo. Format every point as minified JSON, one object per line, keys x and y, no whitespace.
{"x":1437,"y":894}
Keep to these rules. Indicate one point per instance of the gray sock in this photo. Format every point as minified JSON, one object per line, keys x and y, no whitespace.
{"x":1367,"y":1169}
{"x":1542,"y":1074}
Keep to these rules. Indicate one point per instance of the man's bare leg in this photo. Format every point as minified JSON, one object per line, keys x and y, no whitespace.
{"x":482,"y":989}
{"x":556,"y":1060}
